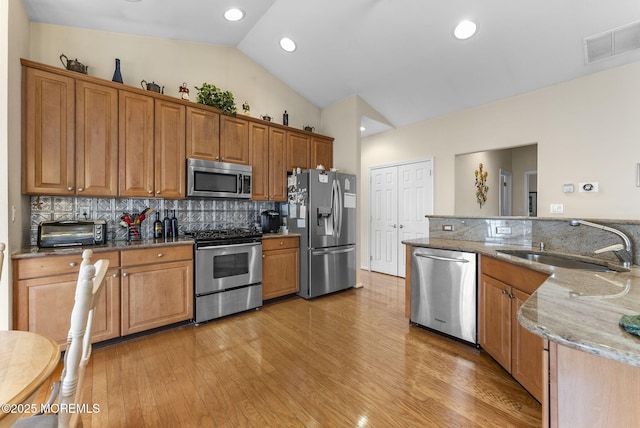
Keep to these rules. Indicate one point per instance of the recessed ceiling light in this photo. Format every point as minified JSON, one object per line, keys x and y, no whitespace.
{"x":287,"y":44}
{"x":465,"y":29}
{"x":234,"y":14}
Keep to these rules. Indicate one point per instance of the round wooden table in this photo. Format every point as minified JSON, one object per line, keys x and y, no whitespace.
{"x":27,"y":360}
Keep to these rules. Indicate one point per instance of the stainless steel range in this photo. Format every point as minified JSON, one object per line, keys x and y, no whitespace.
{"x":228,"y":272}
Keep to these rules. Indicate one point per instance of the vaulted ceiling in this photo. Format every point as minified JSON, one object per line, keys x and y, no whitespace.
{"x":398,"y":55}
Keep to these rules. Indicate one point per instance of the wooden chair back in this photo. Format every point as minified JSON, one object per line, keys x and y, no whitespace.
{"x":76,"y":357}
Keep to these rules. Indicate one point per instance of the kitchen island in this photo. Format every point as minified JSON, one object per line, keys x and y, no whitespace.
{"x":593,"y":363}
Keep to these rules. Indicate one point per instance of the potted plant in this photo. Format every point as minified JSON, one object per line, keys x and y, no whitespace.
{"x":213,"y":96}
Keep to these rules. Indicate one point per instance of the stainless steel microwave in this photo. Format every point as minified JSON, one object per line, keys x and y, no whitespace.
{"x":208,"y":179}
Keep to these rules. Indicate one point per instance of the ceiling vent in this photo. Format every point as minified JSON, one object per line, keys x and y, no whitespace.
{"x":611,"y":43}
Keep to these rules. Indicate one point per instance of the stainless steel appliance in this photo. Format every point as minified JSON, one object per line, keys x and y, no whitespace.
{"x":228,"y":272}
{"x":444,"y":292}
{"x":322,"y":208}
{"x":208,"y":179}
{"x":69,"y":233}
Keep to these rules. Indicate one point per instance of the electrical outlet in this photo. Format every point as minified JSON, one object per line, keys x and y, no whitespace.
{"x":556,"y":208}
{"x":447,"y":227}
{"x":503,"y":230}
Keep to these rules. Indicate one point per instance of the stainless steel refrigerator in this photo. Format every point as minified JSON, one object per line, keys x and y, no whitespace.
{"x":322,"y":209}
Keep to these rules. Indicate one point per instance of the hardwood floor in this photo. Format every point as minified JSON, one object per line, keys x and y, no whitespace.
{"x":350,"y":359}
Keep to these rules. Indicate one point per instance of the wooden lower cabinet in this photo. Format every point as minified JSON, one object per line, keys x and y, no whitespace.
{"x":44,"y":296}
{"x":587,"y":390}
{"x":157,"y":288}
{"x":153,"y":288}
{"x":505,"y":287}
{"x":280,"y":266}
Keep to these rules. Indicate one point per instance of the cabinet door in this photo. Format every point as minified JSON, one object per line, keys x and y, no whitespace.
{"x":135,"y":134}
{"x":48,"y":133}
{"x":277,"y":165}
{"x":51,"y":301}
{"x":526,"y":350}
{"x":169,"y":150}
{"x":203,"y":134}
{"x":280,"y":273}
{"x":297,"y":151}
{"x":96,"y":140}
{"x":156,"y":295}
{"x":495,"y":320}
{"x":234,"y":140}
{"x":259,"y":161}
{"x":321,"y":152}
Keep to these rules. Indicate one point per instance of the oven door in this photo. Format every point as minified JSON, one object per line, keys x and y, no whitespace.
{"x":223,"y":267}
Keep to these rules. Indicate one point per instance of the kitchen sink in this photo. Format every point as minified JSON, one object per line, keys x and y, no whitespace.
{"x":560,"y":261}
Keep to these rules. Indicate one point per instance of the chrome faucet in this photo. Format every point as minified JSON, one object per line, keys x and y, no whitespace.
{"x":625,"y":255}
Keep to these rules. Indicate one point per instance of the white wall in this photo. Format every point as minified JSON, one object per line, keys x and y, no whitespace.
{"x":14,"y":42}
{"x":169,"y":63}
{"x":586,"y":129}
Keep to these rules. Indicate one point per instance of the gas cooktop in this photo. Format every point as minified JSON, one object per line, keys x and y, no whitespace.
{"x":224,"y":235}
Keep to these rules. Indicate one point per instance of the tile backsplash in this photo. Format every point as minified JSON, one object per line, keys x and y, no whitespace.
{"x":192,"y":214}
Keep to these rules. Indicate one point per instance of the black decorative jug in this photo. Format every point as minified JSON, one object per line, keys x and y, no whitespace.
{"x":117,"y":76}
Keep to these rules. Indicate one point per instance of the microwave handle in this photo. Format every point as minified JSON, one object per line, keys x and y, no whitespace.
{"x":239,"y":189}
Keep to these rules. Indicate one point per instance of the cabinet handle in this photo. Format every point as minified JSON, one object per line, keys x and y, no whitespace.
{"x":263,"y":256}
{"x":70,"y":188}
{"x":80,"y":189}
{"x":115,"y":275}
{"x":401,"y":226}
{"x":217,"y":158}
{"x":73,"y":264}
{"x":222,"y":157}
{"x":150,"y":192}
{"x":157,"y":192}
{"x":505,"y":292}
{"x":125,"y":274}
{"x":281,"y":243}
{"x":160,"y":254}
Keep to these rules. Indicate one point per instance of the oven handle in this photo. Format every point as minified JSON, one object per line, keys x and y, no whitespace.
{"x":208,"y":247}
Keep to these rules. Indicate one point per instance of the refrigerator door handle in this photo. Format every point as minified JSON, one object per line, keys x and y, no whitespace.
{"x":333,"y":251}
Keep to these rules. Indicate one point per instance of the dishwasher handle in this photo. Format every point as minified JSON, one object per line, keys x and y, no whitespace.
{"x":444,"y":259}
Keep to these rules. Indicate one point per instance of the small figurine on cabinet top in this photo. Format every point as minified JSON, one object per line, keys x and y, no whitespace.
{"x":184,"y":91}
{"x":246,"y":108}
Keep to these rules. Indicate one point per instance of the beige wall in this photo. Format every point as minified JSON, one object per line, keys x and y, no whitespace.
{"x":14,"y":43}
{"x":586,"y":129}
{"x":169,"y":63}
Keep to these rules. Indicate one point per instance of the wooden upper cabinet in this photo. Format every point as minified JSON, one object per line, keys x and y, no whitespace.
{"x":169,"y":147}
{"x":298,"y":151}
{"x":277,"y":165}
{"x":321,"y":151}
{"x":259,"y":161}
{"x":203,"y":134}
{"x":48,"y":133}
{"x":234,"y":140}
{"x":96,"y":140}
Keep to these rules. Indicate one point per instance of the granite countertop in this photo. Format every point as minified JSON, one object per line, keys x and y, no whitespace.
{"x":278,"y":235}
{"x":576,"y":308}
{"x":34,"y":251}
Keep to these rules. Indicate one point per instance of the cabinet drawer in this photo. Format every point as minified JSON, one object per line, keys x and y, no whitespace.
{"x":279,"y":243}
{"x":58,"y":265}
{"x":522,"y":278}
{"x":146,"y":256}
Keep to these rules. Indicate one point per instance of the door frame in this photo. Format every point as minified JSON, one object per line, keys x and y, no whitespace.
{"x":506,"y":176}
{"x":370,"y":207}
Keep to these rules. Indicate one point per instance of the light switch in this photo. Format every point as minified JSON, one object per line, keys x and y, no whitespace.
{"x":567,"y":188}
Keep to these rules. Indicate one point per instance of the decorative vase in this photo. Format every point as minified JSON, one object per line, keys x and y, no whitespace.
{"x":117,"y":76}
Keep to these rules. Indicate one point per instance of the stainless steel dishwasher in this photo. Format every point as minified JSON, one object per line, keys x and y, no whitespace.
{"x":444,"y":292}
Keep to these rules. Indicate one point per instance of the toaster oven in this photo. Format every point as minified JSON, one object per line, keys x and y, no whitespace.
{"x":68,"y":233}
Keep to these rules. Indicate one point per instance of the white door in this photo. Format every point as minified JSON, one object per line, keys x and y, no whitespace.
{"x":415,"y":182}
{"x":384,"y":220}
{"x":506,"y":192}
{"x":400,"y":196}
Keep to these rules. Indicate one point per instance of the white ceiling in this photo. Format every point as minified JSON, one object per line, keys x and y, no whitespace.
{"x":397,"y":55}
